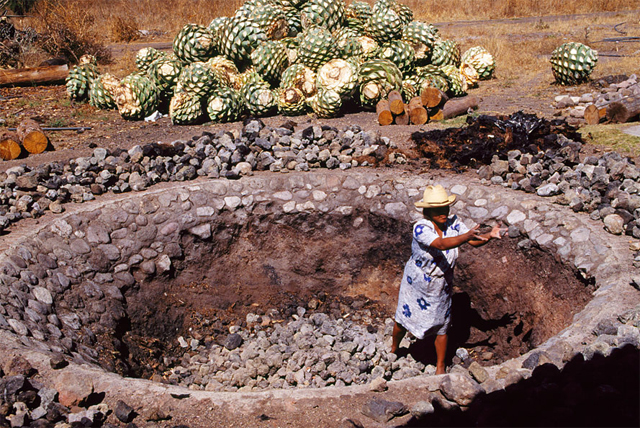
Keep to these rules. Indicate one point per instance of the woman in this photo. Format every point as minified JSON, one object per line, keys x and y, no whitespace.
{"x":424,"y":300}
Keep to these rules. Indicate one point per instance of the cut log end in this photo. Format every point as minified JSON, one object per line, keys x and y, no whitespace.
{"x":33,"y":139}
{"x":384,"y":113}
{"x":432,"y":97}
{"x":403,"y":119}
{"x":417,"y":113}
{"x":35,"y":142}
{"x":9,"y":146}
{"x":396,"y":105}
{"x":594,"y":115}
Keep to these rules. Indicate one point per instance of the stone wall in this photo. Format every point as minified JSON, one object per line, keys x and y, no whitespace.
{"x":61,"y":285}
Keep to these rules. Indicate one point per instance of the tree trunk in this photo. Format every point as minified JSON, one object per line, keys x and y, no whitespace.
{"x":624,"y":110}
{"x":37,"y":75}
{"x":459,"y":106}
{"x":33,"y":139}
{"x":433,"y":97}
{"x":9,"y":145}
{"x":594,"y":115}
{"x":384,"y":114}
{"x":396,"y":105}
{"x":417,"y":113}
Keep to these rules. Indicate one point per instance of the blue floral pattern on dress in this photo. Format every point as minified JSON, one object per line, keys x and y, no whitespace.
{"x":406,"y":311}
{"x":423,"y":304}
{"x":425,"y":293}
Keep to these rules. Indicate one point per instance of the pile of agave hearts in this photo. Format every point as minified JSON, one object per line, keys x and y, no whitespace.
{"x":286,"y":57}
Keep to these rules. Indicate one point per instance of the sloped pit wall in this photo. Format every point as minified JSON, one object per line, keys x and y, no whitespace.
{"x":62,"y":284}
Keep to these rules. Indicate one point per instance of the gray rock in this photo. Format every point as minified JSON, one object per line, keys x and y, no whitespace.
{"x":548,"y":190}
{"x":233,"y":341}
{"x":124,"y":412}
{"x":478,"y":372}
{"x":607,"y":326}
{"x":460,"y":388}
{"x":378,"y":385}
{"x":382,"y":410}
{"x":536,"y":359}
{"x":350,"y":423}
{"x":421,"y":409}
{"x":614,"y":224}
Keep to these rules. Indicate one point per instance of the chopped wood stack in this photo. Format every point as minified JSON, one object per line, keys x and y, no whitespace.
{"x":431,"y":105}
{"x":28,"y":139}
{"x":617,"y":102}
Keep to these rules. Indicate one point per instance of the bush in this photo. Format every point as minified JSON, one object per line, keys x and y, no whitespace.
{"x":124,"y":29}
{"x":67,"y":31}
{"x":19,"y":7}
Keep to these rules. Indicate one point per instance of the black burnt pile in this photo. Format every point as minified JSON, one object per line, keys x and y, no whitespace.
{"x":487,"y":136}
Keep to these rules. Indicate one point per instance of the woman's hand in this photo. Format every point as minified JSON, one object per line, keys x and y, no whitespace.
{"x":497,"y":231}
{"x":478,"y":240}
{"x":474,"y":235}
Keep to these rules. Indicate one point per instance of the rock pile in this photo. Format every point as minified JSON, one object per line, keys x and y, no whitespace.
{"x":28,"y":402}
{"x":573,"y":107}
{"x":28,"y":192}
{"x":606,"y":187}
{"x":319,"y":350}
{"x":313,"y":351}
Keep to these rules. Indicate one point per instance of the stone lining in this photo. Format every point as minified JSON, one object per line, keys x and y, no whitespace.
{"x":95,"y":245}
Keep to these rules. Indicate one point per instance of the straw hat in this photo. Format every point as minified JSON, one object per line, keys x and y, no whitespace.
{"x":434,"y":197}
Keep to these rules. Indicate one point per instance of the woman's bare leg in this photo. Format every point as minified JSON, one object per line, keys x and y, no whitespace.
{"x":441,"y":351}
{"x":397,"y":335}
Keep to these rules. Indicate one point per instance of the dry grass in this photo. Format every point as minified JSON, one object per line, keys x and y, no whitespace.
{"x":450,"y":10}
{"x":68,"y":31}
{"x":167,"y":16}
{"x":523,"y":49}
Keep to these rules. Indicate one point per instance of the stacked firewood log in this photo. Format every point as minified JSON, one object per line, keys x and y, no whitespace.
{"x":27,"y":139}
{"x":616,"y":102}
{"x":431,"y":105}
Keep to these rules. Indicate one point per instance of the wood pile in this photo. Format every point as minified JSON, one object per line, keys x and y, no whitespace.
{"x":431,"y":105}
{"x":617,"y":102}
{"x":27,"y":139}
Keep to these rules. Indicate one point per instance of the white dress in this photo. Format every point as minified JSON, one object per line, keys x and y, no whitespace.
{"x":424,"y":300}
